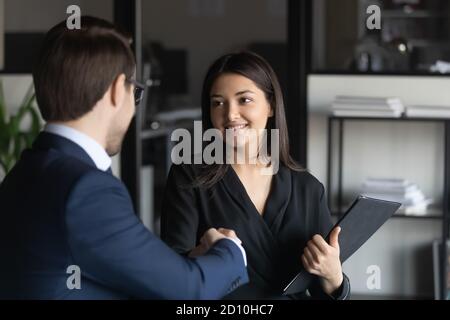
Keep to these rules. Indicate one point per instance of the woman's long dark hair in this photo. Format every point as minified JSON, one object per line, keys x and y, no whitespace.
{"x":255,"y":68}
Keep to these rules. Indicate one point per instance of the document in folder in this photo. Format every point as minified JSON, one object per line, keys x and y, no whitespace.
{"x":359,"y":223}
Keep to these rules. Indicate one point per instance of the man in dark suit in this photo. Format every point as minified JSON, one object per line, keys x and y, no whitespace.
{"x":68,"y":229}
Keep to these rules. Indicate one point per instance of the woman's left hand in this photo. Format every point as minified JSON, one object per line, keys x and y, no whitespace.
{"x":322,"y":259}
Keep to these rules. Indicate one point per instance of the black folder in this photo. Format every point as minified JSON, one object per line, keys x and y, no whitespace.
{"x":359,"y":223}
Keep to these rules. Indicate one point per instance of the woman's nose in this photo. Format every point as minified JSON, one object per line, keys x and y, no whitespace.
{"x":233,"y":111}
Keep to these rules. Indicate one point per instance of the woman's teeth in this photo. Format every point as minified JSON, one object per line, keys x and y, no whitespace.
{"x":238,"y":127}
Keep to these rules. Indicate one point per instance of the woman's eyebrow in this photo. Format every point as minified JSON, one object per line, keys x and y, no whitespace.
{"x":236,"y":94}
{"x":244,"y":92}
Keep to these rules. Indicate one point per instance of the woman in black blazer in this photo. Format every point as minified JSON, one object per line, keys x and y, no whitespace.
{"x":282,"y":217}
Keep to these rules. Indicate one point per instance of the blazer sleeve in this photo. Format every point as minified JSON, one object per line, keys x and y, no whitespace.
{"x":180,"y":216}
{"x":325,"y":226}
{"x":111,"y":246}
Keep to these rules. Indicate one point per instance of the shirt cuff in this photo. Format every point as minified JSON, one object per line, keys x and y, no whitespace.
{"x":343,"y":292}
{"x":239,"y":244}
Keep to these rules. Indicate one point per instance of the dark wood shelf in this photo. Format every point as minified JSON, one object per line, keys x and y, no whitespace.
{"x":338,"y":72}
{"x":408,"y":216}
{"x":403,"y":216}
{"x":428,"y":43}
{"x":364,"y":296}
{"x":402,"y":14}
{"x":403,"y":118}
{"x":433,"y":212}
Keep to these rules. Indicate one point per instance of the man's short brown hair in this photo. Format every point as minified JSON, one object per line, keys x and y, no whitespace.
{"x":76,"y":67}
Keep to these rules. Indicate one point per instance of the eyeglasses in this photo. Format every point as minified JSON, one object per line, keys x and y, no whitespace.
{"x":139,"y":89}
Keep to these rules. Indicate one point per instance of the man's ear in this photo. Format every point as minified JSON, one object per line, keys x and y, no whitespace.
{"x":118,"y":90}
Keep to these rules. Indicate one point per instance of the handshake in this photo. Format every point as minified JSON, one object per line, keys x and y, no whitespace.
{"x":210,"y":237}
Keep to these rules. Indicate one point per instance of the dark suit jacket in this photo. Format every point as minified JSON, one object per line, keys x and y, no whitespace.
{"x":59,"y":210}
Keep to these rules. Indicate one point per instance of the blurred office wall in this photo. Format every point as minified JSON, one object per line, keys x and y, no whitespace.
{"x":207,"y":29}
{"x":40,"y":16}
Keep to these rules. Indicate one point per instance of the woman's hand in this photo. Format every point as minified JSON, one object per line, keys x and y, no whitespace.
{"x":209,"y":238}
{"x":322,"y":259}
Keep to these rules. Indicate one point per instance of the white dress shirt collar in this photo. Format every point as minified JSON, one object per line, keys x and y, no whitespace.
{"x":92,"y":147}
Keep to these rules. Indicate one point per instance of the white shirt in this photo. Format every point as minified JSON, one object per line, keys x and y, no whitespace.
{"x":239,"y":244}
{"x":95,"y":151}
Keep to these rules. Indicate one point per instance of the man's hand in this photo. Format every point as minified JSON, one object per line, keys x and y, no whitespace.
{"x":322,"y":259}
{"x":229,"y":234}
{"x":209,"y":238}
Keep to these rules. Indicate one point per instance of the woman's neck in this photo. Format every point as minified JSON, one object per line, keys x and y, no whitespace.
{"x":248,"y":168}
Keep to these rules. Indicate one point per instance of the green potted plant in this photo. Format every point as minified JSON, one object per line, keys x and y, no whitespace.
{"x":14,"y":137}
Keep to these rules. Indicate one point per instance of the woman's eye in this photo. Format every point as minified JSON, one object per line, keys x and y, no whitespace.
{"x":245,"y":100}
{"x":216,"y":103}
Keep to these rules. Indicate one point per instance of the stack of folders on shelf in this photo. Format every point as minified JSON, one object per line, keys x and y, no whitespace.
{"x":376,"y":107}
{"x":428,"y":112}
{"x":409,"y":194}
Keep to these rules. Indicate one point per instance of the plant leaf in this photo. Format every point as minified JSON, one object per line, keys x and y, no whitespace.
{"x":13,"y":140}
{"x":2,"y":106}
{"x":18,"y":146}
{"x":35,"y":121}
{"x":3,"y":165}
{"x":29,"y":96}
{"x":2,"y":94}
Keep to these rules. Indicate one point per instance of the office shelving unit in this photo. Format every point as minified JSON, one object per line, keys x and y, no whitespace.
{"x":443,"y":215}
{"x":423,"y":29}
{"x":414,"y":36}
